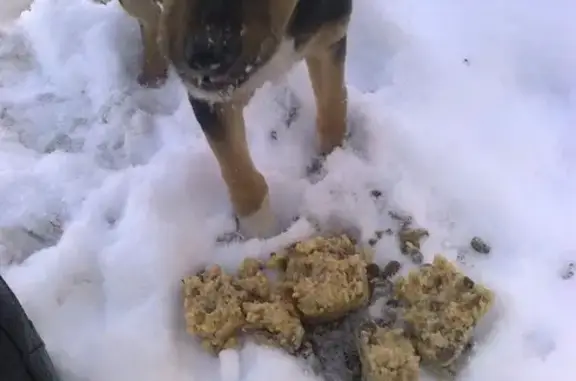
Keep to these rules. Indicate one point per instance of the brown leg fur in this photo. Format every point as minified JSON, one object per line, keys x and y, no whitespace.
{"x":223,"y":126}
{"x":326,"y":71}
{"x":155,"y":64}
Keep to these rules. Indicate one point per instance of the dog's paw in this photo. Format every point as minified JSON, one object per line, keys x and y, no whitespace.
{"x":261,"y":224}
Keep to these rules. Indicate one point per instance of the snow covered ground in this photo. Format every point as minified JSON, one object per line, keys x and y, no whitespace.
{"x":462,"y":113}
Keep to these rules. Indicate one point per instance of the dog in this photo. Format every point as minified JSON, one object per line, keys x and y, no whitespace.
{"x":224,"y":50}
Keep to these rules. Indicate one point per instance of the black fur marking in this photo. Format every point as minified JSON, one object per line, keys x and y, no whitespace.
{"x":214,"y":41}
{"x":311,"y":15}
{"x":208,"y":119}
{"x":221,"y":13}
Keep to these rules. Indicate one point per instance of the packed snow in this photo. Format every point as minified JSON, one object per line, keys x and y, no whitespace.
{"x":462,"y":113}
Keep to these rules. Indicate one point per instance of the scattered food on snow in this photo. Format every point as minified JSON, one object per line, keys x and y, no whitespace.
{"x":320,"y":304}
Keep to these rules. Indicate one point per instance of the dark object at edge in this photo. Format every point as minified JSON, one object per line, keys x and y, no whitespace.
{"x":23,"y":356}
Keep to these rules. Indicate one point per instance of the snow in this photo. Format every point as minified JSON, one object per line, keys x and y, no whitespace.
{"x":462,"y":113}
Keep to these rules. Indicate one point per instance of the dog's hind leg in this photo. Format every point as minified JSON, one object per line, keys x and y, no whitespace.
{"x":223,"y":126}
{"x":326,"y":71}
{"x":154,"y":64}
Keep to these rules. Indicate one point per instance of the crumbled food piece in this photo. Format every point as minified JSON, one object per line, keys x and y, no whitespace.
{"x":213,"y":308}
{"x":253,"y":280}
{"x":277,"y":262}
{"x":480,"y":246}
{"x":249,"y":267}
{"x":410,"y":243}
{"x":341,"y":246}
{"x":328,"y":278}
{"x":275,"y":323}
{"x":413,"y":236}
{"x":386,"y":354}
{"x":441,"y":307}
{"x":219,"y":307}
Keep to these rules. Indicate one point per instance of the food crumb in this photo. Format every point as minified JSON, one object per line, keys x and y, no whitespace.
{"x":386,"y":354}
{"x":328,"y":278}
{"x":213,"y":309}
{"x":441,"y":307}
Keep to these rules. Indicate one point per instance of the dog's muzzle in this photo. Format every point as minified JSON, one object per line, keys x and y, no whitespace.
{"x":212,"y":54}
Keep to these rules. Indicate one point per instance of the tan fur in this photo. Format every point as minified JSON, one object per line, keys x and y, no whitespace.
{"x":155,"y":62}
{"x":246,"y":185}
{"x":327,"y":79}
{"x":265,"y":21}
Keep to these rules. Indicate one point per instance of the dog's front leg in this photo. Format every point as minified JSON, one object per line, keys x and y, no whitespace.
{"x":223,"y":126}
{"x":326,"y":71}
{"x":155,"y":65}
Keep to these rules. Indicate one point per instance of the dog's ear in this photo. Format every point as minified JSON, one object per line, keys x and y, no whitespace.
{"x":280,"y":14}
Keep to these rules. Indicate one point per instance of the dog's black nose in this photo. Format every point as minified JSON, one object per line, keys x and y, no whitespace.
{"x":210,"y":54}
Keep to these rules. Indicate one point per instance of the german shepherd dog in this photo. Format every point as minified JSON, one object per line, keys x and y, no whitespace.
{"x":224,"y":50}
